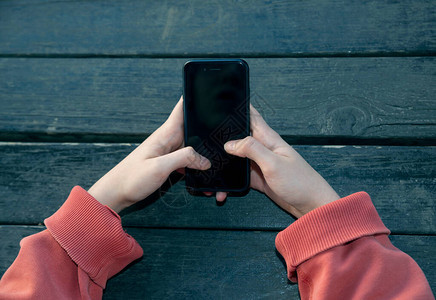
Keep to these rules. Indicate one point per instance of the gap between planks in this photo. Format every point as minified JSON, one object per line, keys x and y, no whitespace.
{"x":272,"y":230}
{"x":224,"y":55}
{"x":102,"y":139}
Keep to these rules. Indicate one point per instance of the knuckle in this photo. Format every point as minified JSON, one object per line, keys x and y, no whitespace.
{"x":248,"y":143}
{"x":269,"y":168}
{"x":191,"y":155}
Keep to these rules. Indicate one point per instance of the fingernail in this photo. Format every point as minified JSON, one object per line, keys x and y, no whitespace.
{"x":229,"y":146}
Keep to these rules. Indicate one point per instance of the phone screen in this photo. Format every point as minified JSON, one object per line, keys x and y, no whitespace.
{"x":216,"y":110}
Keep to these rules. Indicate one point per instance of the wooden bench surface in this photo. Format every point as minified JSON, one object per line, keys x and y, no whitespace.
{"x":352,"y":86}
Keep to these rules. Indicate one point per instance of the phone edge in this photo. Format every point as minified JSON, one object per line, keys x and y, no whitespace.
{"x":232,"y":192}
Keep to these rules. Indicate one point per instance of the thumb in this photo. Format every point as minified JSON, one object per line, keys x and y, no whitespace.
{"x":185,"y":157}
{"x":251,"y":148}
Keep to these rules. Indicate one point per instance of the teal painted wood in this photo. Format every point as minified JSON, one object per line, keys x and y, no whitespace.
{"x":240,"y":28}
{"x":336,"y":100}
{"x":83,"y":99}
{"x":37,"y":178}
{"x":181,"y":264}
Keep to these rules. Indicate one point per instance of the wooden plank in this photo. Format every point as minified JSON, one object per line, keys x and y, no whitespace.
{"x":181,"y":264}
{"x":382,"y":98}
{"x":220,"y":28}
{"x":37,"y":178}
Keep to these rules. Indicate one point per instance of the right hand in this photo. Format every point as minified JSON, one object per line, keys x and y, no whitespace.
{"x":279,"y":171}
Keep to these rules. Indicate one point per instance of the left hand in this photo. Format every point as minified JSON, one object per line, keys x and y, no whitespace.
{"x":145,"y":169}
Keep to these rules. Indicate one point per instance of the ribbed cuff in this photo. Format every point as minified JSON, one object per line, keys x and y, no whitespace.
{"x":326,"y":227}
{"x":92,"y":235}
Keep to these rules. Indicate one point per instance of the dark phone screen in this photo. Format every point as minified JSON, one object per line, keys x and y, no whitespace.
{"x":216,"y":111}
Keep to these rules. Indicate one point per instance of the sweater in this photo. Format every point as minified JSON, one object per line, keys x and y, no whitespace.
{"x":338,"y":251}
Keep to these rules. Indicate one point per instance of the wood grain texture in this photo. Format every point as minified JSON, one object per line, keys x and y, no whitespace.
{"x":111,"y":71}
{"x":37,"y":178}
{"x":383,"y":98}
{"x":181,"y":264}
{"x":216,"y":27}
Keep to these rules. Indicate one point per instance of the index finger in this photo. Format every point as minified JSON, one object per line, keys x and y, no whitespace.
{"x":168,"y":137}
{"x":176,"y":116}
{"x":263,"y":133}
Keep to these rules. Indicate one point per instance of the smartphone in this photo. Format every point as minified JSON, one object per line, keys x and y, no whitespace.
{"x":216,"y":110}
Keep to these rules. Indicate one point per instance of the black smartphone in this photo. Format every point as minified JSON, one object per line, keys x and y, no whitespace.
{"x":217,"y":109}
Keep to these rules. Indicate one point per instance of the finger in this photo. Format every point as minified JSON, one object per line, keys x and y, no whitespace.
{"x":251,"y":148}
{"x":221,"y":196}
{"x":185,"y":157}
{"x":167,"y":137}
{"x":176,"y":116}
{"x":262,"y":132}
{"x":257,"y":181}
{"x":208,"y":193}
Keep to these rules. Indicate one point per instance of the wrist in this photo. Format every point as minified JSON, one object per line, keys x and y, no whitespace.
{"x":107,"y":197}
{"x":307,"y":203}
{"x":322,"y":198}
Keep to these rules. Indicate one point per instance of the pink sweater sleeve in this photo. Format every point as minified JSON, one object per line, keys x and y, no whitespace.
{"x":338,"y":251}
{"x":83,"y":246}
{"x":342,"y":251}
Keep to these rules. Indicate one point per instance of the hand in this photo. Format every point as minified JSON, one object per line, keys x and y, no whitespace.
{"x":279,"y":171}
{"x":145,"y":169}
